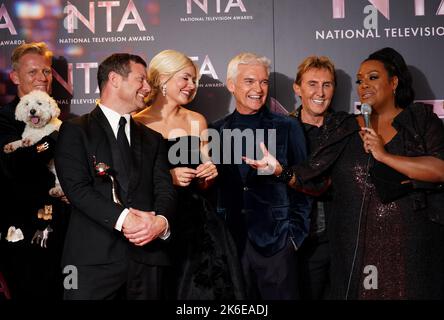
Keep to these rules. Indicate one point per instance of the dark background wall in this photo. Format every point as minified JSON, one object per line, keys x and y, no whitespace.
{"x":213,"y":31}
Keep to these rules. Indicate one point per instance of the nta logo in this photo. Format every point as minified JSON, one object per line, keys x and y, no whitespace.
{"x":383,"y":6}
{"x":73,"y":16}
{"x":8,"y":22}
{"x":203,"y":5}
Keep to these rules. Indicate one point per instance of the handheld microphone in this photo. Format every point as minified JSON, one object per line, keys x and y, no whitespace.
{"x":366,"y":111}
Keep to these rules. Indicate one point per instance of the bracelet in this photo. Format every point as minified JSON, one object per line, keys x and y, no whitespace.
{"x":286,"y":174}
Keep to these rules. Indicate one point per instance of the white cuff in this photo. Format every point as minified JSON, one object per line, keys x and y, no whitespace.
{"x":119,"y":223}
{"x":166,"y":234}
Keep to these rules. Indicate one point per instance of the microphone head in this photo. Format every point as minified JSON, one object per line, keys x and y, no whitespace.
{"x":366,"y":109}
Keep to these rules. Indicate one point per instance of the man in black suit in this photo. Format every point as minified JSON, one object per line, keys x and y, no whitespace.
{"x":121,"y":214}
{"x":30,"y":269}
{"x":267,"y":219}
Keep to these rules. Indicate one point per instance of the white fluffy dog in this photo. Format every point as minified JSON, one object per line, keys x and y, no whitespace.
{"x":39,"y":111}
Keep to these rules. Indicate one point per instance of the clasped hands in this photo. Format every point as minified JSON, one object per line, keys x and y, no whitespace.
{"x":182,"y":176}
{"x":142,"y":227}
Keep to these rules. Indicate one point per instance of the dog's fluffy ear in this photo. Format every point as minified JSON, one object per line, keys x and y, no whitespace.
{"x":20,"y":111}
{"x":55,"y":111}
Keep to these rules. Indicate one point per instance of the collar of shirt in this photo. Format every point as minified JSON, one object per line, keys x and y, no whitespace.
{"x":113,"y":118}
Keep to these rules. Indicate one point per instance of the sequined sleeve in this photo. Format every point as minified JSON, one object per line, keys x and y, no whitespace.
{"x":434,"y":136}
{"x":334,"y":137}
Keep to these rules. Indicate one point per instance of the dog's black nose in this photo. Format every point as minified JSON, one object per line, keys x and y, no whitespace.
{"x":32,"y":111}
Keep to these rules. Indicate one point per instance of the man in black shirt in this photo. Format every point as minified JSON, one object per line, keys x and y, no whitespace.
{"x":315,"y":84}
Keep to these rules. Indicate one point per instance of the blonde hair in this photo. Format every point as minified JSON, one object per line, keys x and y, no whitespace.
{"x":39,"y":48}
{"x":247,"y":58}
{"x":315,"y":62}
{"x":168,"y":63}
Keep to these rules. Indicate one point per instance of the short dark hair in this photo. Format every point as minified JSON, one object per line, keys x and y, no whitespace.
{"x":395,"y":65}
{"x":119,"y":63}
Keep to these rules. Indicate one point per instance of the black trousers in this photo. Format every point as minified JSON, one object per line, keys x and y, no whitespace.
{"x":270,"y":278}
{"x":314,"y":265}
{"x":126,"y":279}
{"x":32,"y":272}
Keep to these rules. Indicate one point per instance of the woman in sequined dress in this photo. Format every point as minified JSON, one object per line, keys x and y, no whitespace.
{"x":205,"y":260}
{"x":386,"y":228}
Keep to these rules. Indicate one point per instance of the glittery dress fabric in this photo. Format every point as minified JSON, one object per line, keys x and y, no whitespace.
{"x":206,"y":263}
{"x":381,"y":251}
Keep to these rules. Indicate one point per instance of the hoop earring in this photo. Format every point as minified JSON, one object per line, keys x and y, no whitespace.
{"x":164,"y":90}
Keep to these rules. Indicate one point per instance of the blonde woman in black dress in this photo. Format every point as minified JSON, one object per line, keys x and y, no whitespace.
{"x":206,"y":264}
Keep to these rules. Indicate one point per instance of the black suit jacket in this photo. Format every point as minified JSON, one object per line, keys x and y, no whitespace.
{"x":262,"y":208}
{"x":91,"y":238}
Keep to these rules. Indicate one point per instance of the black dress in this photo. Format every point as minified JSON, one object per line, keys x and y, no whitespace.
{"x":205,"y":258}
{"x":400,"y":244}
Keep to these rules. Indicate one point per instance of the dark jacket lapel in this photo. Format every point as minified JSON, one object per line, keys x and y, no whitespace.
{"x":266,"y":123}
{"x":99,"y":133}
{"x":101,"y":119}
{"x":233,"y":169}
{"x":136,"y":150}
